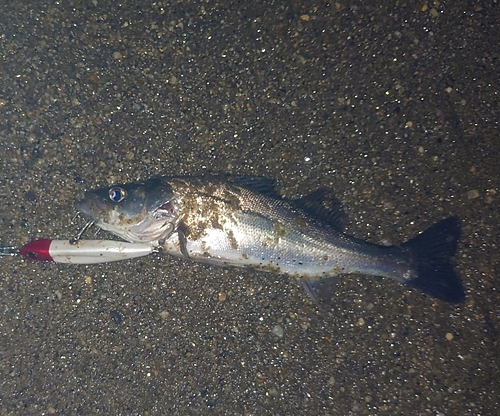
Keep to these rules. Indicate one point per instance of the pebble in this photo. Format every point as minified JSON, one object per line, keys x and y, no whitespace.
{"x":117,"y":56}
{"x":164,"y":314}
{"x":273,"y":392}
{"x":278,"y":331}
{"x":449,"y":336}
{"x":472,"y":194}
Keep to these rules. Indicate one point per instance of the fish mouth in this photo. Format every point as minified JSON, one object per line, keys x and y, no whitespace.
{"x":91,"y":208}
{"x":140,"y":228}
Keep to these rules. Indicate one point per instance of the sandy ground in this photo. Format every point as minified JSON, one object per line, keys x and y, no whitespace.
{"x":394,"y":107}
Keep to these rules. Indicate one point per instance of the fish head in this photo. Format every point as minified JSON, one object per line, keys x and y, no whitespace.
{"x":138,"y":212}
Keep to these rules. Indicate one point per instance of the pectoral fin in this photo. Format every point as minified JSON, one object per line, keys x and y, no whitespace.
{"x":182,"y":232}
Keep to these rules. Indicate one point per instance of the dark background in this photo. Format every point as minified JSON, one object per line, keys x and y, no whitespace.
{"x":393,"y":105}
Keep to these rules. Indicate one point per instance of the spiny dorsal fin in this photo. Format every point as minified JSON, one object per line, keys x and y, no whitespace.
{"x":257,"y":184}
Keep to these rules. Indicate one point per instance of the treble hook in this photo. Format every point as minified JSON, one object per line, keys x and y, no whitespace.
{"x":78,"y":236}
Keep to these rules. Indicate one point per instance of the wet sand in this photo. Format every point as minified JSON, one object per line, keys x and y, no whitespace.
{"x":395,"y":108}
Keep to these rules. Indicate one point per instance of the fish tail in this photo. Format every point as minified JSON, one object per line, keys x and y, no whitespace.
{"x":431,"y":254}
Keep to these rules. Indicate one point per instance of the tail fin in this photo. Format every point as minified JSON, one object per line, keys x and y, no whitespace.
{"x":431,"y":253}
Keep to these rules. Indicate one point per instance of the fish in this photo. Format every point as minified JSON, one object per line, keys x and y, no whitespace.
{"x":244,"y":222}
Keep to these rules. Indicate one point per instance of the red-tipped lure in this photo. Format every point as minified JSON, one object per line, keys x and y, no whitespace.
{"x":83,"y":251}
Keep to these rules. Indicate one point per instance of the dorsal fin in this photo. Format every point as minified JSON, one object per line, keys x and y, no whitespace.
{"x":323,"y":206}
{"x":257,"y":184}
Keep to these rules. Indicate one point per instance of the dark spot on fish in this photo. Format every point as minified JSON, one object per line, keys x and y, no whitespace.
{"x":232,"y":240}
{"x":270,"y":268}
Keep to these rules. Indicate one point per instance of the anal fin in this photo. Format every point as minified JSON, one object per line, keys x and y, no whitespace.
{"x":321,"y":290}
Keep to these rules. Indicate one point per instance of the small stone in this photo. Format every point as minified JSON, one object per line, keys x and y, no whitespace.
{"x":93,"y":78}
{"x":361,"y":322}
{"x":434,"y":12}
{"x":117,"y":56}
{"x":164,"y":314}
{"x":58,"y":293}
{"x":173,"y":80}
{"x":472,"y":194}
{"x":222,"y":296}
{"x":278,"y":331}
{"x":449,"y":336}
{"x":305,"y":17}
{"x":273,"y":392}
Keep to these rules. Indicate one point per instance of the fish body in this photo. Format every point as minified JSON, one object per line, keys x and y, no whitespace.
{"x":236,"y":222}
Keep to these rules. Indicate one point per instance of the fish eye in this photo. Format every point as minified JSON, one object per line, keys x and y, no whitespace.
{"x":117,"y":194}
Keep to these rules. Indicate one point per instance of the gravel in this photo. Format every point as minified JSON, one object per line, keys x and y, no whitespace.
{"x":394,"y":106}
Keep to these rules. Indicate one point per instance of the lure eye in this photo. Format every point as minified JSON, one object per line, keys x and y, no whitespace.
{"x":117,"y":194}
